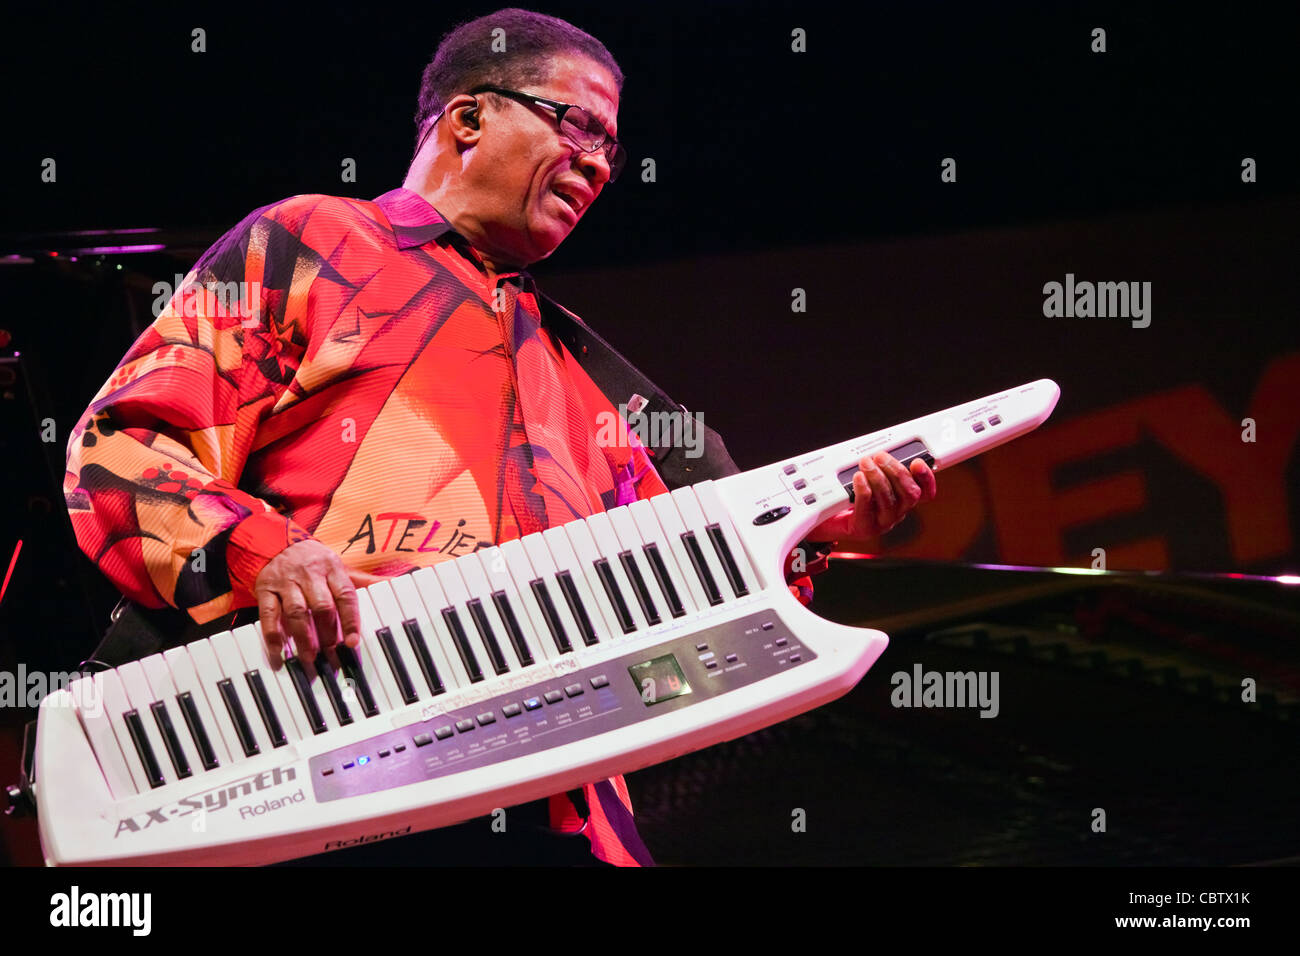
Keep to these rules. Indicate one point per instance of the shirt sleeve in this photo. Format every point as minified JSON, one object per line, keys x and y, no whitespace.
{"x":154,"y":463}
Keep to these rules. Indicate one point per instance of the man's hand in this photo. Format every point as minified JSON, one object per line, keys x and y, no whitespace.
{"x":883,"y":493}
{"x":305,"y":593}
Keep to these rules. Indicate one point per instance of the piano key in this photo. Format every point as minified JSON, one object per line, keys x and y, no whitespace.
{"x":466,"y":638}
{"x":237,"y":695}
{"x":726,"y":540}
{"x":522,"y":574}
{"x":209,"y":673}
{"x":198,"y":758}
{"x":577,"y":587}
{"x":493,"y":629}
{"x":434,"y":600}
{"x":108,"y":752}
{"x":607,"y":543}
{"x":113,"y":699}
{"x":514,"y":629}
{"x":394,"y":638}
{"x":238,"y":717}
{"x":423,"y":640}
{"x":698,"y":547}
{"x":313,"y":709}
{"x":664,"y":562}
{"x":335,"y":690}
{"x":584,"y":557}
{"x":374,"y":683}
{"x":569,"y":588}
{"x":643,"y":575}
{"x":278,"y":685}
{"x":141,"y":695}
{"x":203,"y":741}
{"x":170,"y":739}
{"x":152,"y":770}
{"x":670,"y":520}
{"x":189,"y":687}
{"x":550,"y":611}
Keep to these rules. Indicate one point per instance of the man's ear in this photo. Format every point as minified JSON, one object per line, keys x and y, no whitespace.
{"x":462,"y":115}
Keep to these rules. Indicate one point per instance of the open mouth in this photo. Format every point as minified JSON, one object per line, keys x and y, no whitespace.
{"x":573,"y":203}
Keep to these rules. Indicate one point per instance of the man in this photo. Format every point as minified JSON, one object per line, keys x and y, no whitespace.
{"x":390,"y":398}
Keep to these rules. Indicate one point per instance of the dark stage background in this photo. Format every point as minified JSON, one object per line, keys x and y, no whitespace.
{"x":774,"y":170}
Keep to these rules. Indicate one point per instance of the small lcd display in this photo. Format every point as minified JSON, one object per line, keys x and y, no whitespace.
{"x":659,"y":680}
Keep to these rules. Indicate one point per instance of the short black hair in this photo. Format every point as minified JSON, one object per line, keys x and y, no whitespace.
{"x":470,"y":55}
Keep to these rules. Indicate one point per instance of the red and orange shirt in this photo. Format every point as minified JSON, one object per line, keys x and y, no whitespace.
{"x":342,"y":369}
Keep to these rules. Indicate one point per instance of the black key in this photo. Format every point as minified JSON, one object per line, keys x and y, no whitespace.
{"x":170,"y":740}
{"x":574,"y":600}
{"x":665,"y":582}
{"x":152,"y":772}
{"x":606,"y":575}
{"x":552,"y":616}
{"x":728,"y":562}
{"x":263,"y":701}
{"x":694,"y":552}
{"x":502,"y":601}
{"x":353,"y":672}
{"x":487,"y":634}
{"x":302,"y":684}
{"x":416,"y":637}
{"x":198,"y":733}
{"x":397,"y":665}
{"x":639,"y":586}
{"x":461,"y":640}
{"x":238,"y":718}
{"x":329,"y":680}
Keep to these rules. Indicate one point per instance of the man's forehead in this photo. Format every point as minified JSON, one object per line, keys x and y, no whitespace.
{"x":585,"y":83}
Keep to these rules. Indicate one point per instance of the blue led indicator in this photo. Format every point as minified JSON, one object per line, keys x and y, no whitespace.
{"x":362,"y":761}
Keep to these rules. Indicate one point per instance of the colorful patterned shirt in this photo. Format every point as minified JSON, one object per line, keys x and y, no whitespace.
{"x":344,"y":370}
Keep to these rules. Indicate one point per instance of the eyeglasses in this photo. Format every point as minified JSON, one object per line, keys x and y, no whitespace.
{"x":578,"y":126}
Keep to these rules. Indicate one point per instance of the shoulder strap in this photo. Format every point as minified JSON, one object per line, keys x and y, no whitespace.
{"x":621,"y":381}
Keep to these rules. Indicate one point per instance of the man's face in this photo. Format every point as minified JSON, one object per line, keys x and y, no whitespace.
{"x":523,"y":162}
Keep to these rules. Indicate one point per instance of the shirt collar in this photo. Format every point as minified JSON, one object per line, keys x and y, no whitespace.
{"x":415,"y":222}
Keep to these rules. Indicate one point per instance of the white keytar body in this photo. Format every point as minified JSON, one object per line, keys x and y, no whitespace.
{"x":264,"y":809}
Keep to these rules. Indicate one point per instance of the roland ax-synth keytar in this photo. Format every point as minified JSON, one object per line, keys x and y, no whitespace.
{"x":591,"y":649}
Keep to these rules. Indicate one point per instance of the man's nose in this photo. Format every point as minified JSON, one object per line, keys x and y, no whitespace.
{"x":594,"y":167}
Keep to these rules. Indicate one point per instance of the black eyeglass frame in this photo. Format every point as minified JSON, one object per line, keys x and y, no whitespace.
{"x":615,"y":152}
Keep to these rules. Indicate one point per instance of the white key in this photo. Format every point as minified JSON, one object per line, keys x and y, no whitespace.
{"x":586,"y":553}
{"x":108,"y":687}
{"x":413,"y":609}
{"x":454,"y":587}
{"x":380,"y":680}
{"x":693,"y":518}
{"x":388,"y":608}
{"x":499,"y":578}
{"x":160,"y":679}
{"x":276,"y":680}
{"x":233,"y":668}
{"x":431,"y":593}
{"x":210,"y":675}
{"x":94,"y":718}
{"x":476,"y":583}
{"x":670,"y":524}
{"x":629,"y":534}
{"x":608,"y":545}
{"x":566,"y":559}
{"x":539,"y":556}
{"x":716,"y":512}
{"x":141,"y":695}
{"x":186,"y":679}
{"x":522,"y":571}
